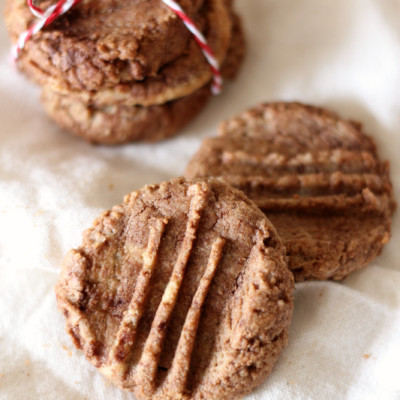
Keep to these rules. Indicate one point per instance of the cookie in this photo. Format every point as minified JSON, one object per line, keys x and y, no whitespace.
{"x":116,"y":124}
{"x":317,"y":177}
{"x":179,"y":77}
{"x":116,"y":72}
{"x":100,"y":44}
{"x":180,"y":292}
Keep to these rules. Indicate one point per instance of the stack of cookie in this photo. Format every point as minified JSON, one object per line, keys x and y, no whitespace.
{"x":120,"y":71}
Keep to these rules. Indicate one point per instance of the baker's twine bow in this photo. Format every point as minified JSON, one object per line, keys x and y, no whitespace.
{"x":46,"y":17}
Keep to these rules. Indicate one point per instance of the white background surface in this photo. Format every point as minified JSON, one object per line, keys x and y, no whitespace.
{"x":345,"y":337}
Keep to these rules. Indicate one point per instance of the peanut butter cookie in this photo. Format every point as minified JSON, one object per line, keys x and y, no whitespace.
{"x":317,"y":177}
{"x":180,"y":292}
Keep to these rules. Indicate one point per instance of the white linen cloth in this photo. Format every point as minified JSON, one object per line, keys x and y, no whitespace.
{"x":344,"y":338}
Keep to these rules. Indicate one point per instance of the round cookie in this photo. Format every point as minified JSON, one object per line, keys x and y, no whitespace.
{"x":116,"y":124}
{"x":180,"y":292}
{"x":317,"y":177}
{"x":181,"y":76}
{"x":103,"y":43}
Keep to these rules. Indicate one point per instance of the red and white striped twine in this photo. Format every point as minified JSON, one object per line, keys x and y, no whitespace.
{"x":46,"y":17}
{"x":216,"y":85}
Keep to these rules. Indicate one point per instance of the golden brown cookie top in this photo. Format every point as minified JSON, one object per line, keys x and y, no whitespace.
{"x":182,"y":291}
{"x":293,"y":127}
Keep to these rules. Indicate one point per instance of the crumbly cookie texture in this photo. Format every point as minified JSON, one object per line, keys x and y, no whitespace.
{"x":116,"y":123}
{"x":317,"y":177}
{"x":180,"y":292}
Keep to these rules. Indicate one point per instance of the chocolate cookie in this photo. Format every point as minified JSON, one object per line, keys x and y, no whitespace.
{"x":181,"y":292}
{"x":116,"y":124}
{"x":316,"y":176}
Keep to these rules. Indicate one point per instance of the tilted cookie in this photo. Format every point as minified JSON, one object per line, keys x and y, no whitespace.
{"x":117,"y":71}
{"x":181,"y":292}
{"x":317,"y":177}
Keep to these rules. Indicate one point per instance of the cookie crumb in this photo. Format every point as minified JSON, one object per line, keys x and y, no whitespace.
{"x":67,"y":350}
{"x":106,"y":382}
